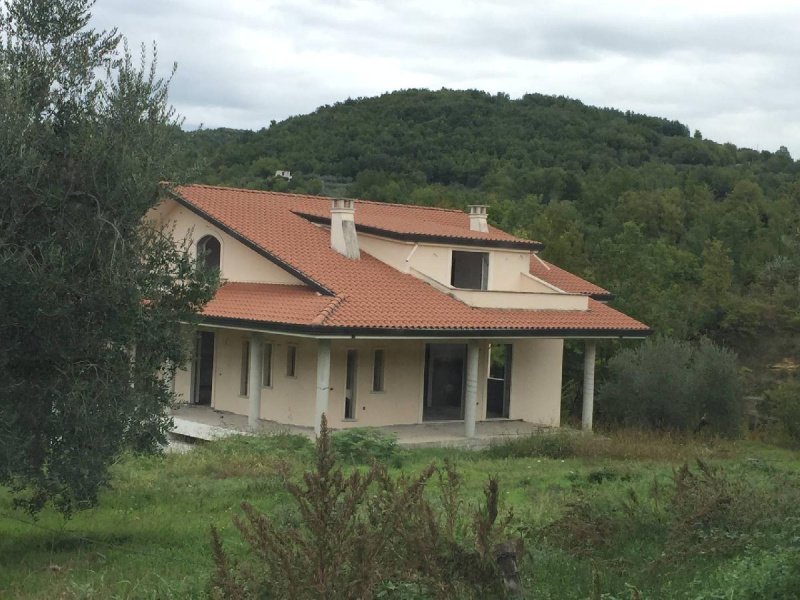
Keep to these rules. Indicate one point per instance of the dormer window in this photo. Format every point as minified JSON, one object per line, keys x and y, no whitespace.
{"x":209,"y":252}
{"x":470,"y":270}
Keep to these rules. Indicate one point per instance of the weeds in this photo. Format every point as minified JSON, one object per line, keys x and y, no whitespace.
{"x":558,"y":444}
{"x":365,"y":533}
{"x":622,"y":444}
{"x":362,"y":445}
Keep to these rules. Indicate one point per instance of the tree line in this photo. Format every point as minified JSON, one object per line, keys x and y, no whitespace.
{"x":696,"y":238}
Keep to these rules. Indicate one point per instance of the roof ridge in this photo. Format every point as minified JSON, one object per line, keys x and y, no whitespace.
{"x":251,"y":191}
{"x":328,"y":311}
{"x":317,"y":197}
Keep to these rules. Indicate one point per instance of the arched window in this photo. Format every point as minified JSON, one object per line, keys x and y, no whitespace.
{"x":209,"y":251}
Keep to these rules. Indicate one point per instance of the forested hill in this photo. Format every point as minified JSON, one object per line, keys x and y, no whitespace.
{"x":695,"y":237}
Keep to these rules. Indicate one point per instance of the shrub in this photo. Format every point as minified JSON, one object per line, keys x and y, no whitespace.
{"x":710,"y":511}
{"x":364,"y":534}
{"x":715,"y":387}
{"x":673,"y":385}
{"x":783,"y":403}
{"x":362,"y":445}
{"x":702,"y":511}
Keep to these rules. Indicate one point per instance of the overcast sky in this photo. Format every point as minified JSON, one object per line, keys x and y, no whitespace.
{"x":729,"y":69}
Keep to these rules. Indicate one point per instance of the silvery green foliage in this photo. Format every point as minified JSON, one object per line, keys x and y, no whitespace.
{"x":90,"y":297}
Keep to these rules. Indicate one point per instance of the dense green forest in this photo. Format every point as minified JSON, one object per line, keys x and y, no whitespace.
{"x":696,"y":238}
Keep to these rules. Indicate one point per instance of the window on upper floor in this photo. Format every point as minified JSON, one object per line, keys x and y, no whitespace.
{"x":209,"y":251}
{"x":470,"y":270}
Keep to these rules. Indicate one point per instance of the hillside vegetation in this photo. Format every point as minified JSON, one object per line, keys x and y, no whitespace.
{"x":696,"y":238}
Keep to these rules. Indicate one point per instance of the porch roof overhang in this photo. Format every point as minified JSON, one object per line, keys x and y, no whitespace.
{"x":299,"y":310}
{"x":339,"y":332}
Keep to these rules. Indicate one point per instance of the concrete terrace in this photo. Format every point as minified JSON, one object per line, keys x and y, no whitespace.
{"x":205,"y":423}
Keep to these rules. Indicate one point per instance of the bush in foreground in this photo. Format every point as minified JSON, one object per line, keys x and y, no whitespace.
{"x":362,"y":445}
{"x":367,"y":534}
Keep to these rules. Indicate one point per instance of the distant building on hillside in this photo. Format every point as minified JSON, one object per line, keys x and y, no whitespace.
{"x":287,"y":175}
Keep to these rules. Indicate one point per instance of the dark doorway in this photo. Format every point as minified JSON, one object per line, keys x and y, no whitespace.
{"x":204,"y":368}
{"x":498,"y":385}
{"x":444,"y":382}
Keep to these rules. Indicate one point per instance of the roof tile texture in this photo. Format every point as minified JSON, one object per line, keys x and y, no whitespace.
{"x":367,"y":293}
{"x":564,"y":280}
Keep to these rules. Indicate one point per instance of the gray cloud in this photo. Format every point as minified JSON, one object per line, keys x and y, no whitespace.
{"x":729,"y":69}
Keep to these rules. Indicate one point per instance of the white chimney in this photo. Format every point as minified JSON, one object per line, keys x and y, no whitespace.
{"x":477,"y":217}
{"x":343,"y":228}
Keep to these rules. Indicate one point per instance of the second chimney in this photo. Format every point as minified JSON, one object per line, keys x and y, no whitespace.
{"x":477,"y":217}
{"x":343,"y":228}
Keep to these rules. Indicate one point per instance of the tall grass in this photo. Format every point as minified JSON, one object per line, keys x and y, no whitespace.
{"x":148,"y":538}
{"x":621,"y":444}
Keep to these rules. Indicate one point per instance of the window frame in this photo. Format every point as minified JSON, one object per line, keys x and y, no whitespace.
{"x":382,"y":388}
{"x":291,"y":360}
{"x":200,"y":248}
{"x":485,"y":258}
{"x":244,"y":375}
{"x":353,"y":385}
{"x":267,"y":379}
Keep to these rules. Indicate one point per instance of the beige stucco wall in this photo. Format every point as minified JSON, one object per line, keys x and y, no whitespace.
{"x":434,"y":261}
{"x":291,"y":399}
{"x":288,"y":400}
{"x":505,"y":267}
{"x":238,"y":262}
{"x":400,"y":403}
{"x":522,"y":300}
{"x":536,"y":381}
{"x":529,"y":283}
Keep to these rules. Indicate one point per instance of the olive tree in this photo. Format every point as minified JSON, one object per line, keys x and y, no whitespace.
{"x":94,"y":300}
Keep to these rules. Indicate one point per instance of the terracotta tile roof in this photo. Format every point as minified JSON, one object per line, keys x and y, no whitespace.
{"x":415,"y":222}
{"x":566,"y":281}
{"x":268,"y":303}
{"x":275,"y":304}
{"x":364,"y":294}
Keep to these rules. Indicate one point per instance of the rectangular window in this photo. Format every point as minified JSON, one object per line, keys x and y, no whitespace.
{"x":377,"y":371}
{"x":470,"y":270}
{"x":291,"y":360}
{"x":351,"y":382}
{"x":245,"y":373}
{"x":266,"y":373}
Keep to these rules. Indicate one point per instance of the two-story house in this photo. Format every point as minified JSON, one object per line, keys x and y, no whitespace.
{"x":379,"y":314}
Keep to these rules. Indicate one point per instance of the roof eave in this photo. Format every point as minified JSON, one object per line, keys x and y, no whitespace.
{"x":406,"y":332}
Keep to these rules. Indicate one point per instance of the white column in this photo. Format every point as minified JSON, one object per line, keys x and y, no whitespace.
{"x":588,"y":384}
{"x":255,"y":375}
{"x":471,"y":396}
{"x":323,"y":381}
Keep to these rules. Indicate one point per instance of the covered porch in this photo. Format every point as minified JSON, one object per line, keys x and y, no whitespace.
{"x":427,"y":389}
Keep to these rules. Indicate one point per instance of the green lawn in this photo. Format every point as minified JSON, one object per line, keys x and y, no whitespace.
{"x":599,"y":516}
